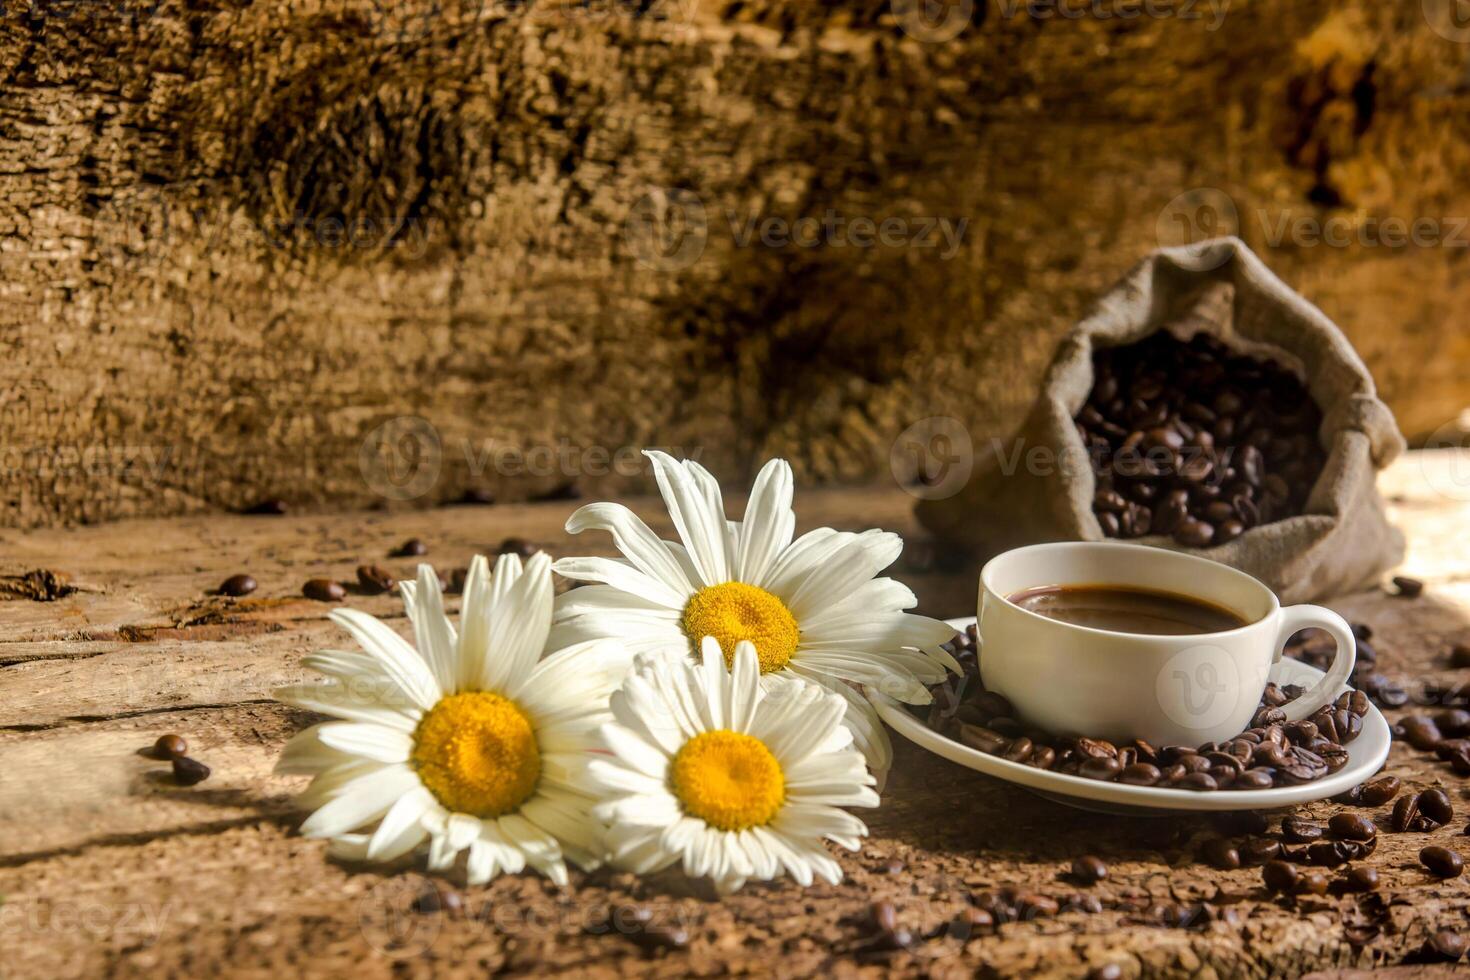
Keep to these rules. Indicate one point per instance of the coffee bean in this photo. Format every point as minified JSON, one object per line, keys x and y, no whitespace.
{"x":1237,"y":823}
{"x":1299,"y":830}
{"x":1220,"y":853}
{"x":1194,"y":534}
{"x":1042,"y":757}
{"x":1453,"y":722}
{"x":1408,"y":588}
{"x":477,"y":496}
{"x":1200,"y":782}
{"x":971,"y":921}
{"x":992,"y":705}
{"x":1311,"y":883}
{"x":1089,"y":870}
{"x":1460,"y":655}
{"x":374,"y":579}
{"x":412,"y":548}
{"x":271,"y":505}
{"x":1442,"y":862}
{"x":1104,"y":768}
{"x":517,"y":546}
{"x":1379,"y":791}
{"x":324,"y":590}
{"x":1421,"y":732}
{"x":1140,"y":774}
{"x":1254,"y":779}
{"x":1435,"y":805}
{"x":237,"y":585}
{"x":1280,"y":877}
{"x":1095,"y":748}
{"x":435,"y":899}
{"x":1019,"y":750}
{"x":1352,"y":826}
{"x":189,"y":771}
{"x":1360,"y":878}
{"x":1107,"y":971}
{"x":170,"y":746}
{"x":1259,"y":850}
{"x":983,"y":739}
{"x":1330,"y":853}
{"x":1446,"y":944}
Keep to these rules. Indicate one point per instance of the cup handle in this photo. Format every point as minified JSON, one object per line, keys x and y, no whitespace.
{"x":1294,"y":618}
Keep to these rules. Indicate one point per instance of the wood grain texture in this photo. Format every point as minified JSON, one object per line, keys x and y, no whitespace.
{"x":237,"y":238}
{"x":107,"y":867}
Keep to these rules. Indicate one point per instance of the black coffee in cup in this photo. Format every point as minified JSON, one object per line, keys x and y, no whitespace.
{"x":1125,"y":609}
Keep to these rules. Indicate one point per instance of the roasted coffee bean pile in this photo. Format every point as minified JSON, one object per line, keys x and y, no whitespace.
{"x":1272,"y":752}
{"x":1193,"y":441}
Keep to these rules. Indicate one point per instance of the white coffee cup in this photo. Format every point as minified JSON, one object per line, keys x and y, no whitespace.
{"x":1168,"y":690}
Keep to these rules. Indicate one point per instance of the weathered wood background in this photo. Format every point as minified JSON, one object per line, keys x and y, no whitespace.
{"x":236,"y":238}
{"x":106,"y":866}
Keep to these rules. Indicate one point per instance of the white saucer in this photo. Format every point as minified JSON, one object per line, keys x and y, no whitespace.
{"x":1366,"y":754}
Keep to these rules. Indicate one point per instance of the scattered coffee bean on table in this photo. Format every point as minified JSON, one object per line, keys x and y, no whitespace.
{"x":272,"y":506}
{"x":1446,"y":944}
{"x":374,"y":579}
{"x":1460,"y":655}
{"x":170,"y":746}
{"x":1373,"y":793}
{"x":1299,"y":830}
{"x":1408,"y":588}
{"x":1441,"y":861}
{"x":1192,"y":440}
{"x":1221,"y":854}
{"x":237,"y":585}
{"x":517,"y":546}
{"x":1360,"y":878}
{"x":412,"y":548}
{"x":1352,"y":826}
{"x":1089,"y":870}
{"x":1311,"y":883}
{"x":324,"y":590}
{"x":189,"y":771}
{"x":1280,"y":877}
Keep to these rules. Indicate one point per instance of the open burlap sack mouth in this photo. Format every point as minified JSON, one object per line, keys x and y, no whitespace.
{"x":1040,"y":486}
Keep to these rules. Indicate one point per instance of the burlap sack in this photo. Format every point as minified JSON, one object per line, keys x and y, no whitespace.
{"x":1342,"y":542}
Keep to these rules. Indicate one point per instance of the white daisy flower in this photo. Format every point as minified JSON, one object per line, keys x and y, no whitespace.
{"x":813,"y":607}
{"x":474,"y":741}
{"x":735,"y":777}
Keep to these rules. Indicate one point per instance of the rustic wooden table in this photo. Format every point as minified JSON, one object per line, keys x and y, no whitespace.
{"x":107,"y":866}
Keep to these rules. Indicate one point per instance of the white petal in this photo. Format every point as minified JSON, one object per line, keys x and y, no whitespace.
{"x":520,"y":622}
{"x":623,"y":576}
{"x":432,"y":631}
{"x":332,"y":699}
{"x":364,"y":799}
{"x":858,"y":561}
{"x":474,"y":624}
{"x":399,"y":661}
{"x":636,"y":542}
{"x":367,"y":740}
{"x":693,"y":499}
{"x":769,"y":523}
{"x":401,"y":829}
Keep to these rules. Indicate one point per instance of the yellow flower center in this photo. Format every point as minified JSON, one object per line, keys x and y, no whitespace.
{"x":477,"y":753}
{"x":735,"y":611}
{"x":728,"y":780}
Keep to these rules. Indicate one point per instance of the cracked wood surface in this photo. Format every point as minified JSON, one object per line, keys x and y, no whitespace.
{"x":107,"y":866}
{"x":189,"y":324}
